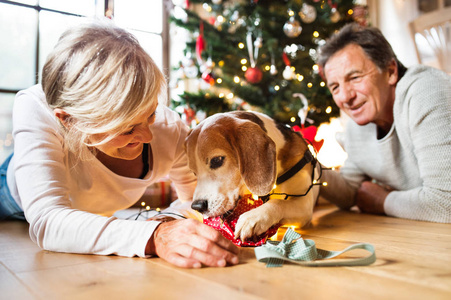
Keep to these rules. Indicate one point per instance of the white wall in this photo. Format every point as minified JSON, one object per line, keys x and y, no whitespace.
{"x":392,"y":17}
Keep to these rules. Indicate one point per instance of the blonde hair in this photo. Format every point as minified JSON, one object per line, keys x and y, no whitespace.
{"x":99,"y":75}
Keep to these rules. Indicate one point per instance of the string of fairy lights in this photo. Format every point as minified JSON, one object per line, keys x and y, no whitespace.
{"x":269,"y":56}
{"x":146,"y":212}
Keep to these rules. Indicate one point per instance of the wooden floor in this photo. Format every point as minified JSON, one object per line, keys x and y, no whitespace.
{"x":413,"y":262}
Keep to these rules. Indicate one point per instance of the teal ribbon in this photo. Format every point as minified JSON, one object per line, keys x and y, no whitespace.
{"x":295,"y":249}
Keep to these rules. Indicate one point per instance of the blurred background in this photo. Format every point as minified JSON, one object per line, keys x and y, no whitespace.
{"x":179,"y":35}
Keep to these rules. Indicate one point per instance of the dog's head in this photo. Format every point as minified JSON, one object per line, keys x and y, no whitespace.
{"x":230,"y":153}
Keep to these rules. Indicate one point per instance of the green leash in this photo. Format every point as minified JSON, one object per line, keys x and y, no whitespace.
{"x":295,"y":249}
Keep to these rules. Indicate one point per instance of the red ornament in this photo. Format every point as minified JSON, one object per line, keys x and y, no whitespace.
{"x":226,"y":225}
{"x":285,"y":59}
{"x":253,"y":75}
{"x":201,"y":45}
{"x":207,"y":76}
{"x":190,"y":115}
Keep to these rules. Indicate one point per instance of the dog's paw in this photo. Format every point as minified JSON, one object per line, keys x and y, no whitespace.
{"x":252,"y":223}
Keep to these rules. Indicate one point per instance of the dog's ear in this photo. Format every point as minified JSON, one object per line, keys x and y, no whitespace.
{"x":257,"y":158}
{"x":190,"y":146}
{"x":192,"y":135}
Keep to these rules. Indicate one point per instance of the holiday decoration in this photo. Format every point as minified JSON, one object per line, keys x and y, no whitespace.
{"x":262,"y":54}
{"x":253,"y":75}
{"x":190,"y":115}
{"x":307,"y":13}
{"x":288,"y":73}
{"x":226,"y":224}
{"x":309,"y":133}
{"x":273,"y":69}
{"x":334,"y":15}
{"x":200,"y":43}
{"x":207,"y":76}
{"x":292,"y":28}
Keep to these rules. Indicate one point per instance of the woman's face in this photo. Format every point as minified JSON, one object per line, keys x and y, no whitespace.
{"x":129,"y":144}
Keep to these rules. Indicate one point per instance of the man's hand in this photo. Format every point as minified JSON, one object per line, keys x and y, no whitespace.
{"x":191,"y":244}
{"x":370,"y":198}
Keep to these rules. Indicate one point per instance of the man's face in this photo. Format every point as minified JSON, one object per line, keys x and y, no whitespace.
{"x":360,"y":88}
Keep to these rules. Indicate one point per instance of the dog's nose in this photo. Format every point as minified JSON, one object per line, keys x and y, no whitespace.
{"x":200,"y":205}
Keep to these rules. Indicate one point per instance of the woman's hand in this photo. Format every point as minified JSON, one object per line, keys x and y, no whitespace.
{"x":370,"y":198}
{"x":190,"y":244}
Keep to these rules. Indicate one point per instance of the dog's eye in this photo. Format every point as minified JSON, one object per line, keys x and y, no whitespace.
{"x":216,"y":162}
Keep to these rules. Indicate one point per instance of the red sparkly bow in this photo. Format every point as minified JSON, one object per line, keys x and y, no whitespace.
{"x":226,"y":225}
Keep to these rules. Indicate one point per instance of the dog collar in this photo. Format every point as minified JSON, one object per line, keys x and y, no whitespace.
{"x":307,"y":158}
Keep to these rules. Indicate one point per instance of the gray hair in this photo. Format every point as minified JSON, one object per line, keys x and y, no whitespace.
{"x":372,"y":41}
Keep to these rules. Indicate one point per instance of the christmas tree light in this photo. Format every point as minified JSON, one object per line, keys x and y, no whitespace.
{"x":263,"y":53}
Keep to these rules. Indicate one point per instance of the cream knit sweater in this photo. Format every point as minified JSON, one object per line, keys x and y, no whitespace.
{"x":414,"y":158}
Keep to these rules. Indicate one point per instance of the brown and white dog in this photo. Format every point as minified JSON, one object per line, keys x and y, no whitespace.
{"x":237,"y":153}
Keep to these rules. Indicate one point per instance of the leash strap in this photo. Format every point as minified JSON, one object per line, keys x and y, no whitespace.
{"x":308,"y":157}
{"x":295,"y":249}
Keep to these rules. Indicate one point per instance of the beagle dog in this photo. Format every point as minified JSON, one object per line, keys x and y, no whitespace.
{"x":237,"y":153}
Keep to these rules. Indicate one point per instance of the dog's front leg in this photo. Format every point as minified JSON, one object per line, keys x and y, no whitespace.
{"x":295,"y":211}
{"x":258,"y":220}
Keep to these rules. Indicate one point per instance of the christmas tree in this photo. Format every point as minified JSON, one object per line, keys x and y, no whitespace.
{"x":258,"y":55}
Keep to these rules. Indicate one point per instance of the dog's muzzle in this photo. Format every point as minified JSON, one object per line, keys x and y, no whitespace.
{"x":200,"y":205}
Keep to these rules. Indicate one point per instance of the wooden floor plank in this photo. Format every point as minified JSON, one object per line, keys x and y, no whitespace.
{"x":413,"y":262}
{"x":297,"y":282}
{"x":20,"y":254}
{"x":124,"y":278}
{"x":11,"y":287}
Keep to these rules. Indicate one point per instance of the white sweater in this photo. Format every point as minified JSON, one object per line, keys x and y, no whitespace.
{"x":414,"y":158}
{"x":70,"y":207}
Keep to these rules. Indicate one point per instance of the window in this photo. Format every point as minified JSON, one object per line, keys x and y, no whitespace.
{"x":146,"y":20}
{"x":30,"y":29}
